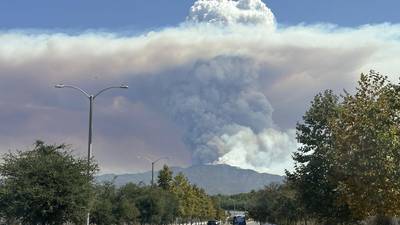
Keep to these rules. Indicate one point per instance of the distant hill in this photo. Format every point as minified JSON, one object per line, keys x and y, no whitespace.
{"x":215,"y":179}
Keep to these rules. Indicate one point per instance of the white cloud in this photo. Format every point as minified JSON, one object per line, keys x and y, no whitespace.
{"x":229,"y":12}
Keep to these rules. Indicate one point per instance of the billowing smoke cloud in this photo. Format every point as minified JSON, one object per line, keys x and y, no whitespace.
{"x":264,"y":151}
{"x":226,"y":116}
{"x":232,"y":93}
{"x":228,"y":12}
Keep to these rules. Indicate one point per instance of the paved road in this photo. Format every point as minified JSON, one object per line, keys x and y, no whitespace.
{"x":255,"y":223}
{"x":252,"y":223}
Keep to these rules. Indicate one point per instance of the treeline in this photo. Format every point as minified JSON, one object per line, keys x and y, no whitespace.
{"x":172,"y":200}
{"x":348,"y":166}
{"x":275,"y":204}
{"x":347,"y":170}
{"x":49,"y":186}
{"x":237,"y":202}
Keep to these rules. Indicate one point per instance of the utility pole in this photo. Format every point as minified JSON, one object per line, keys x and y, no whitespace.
{"x":152,"y":169}
{"x":153,"y":163}
{"x":152,"y":173}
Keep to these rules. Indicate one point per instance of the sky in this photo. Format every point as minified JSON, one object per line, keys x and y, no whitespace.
{"x":139,"y":15}
{"x":211,"y":81}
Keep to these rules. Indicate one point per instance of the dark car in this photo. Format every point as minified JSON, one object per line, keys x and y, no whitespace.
{"x":239,"y":220}
{"x":213,"y":222}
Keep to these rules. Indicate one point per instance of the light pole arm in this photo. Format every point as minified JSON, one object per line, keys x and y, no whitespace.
{"x":105,"y":89}
{"x":145,"y":157}
{"x":160,"y":159}
{"x":73,"y":87}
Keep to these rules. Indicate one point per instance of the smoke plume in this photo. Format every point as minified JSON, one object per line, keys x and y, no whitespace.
{"x":228,"y":12}
{"x":225,"y":115}
{"x":227,"y":118}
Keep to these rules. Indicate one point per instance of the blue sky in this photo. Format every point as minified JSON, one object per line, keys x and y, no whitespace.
{"x":139,"y":15}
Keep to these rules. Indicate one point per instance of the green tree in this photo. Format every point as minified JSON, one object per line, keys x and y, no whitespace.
{"x":314,"y":177}
{"x":127,"y":211}
{"x":235,"y":202}
{"x":165,"y":178}
{"x":219,"y":211}
{"x":193,"y":202}
{"x":276,"y":204}
{"x":204,"y":208}
{"x":115,"y":206}
{"x":157,"y":206}
{"x":287,"y":209}
{"x":186,"y":202}
{"x":104,"y":204}
{"x":262,"y":204}
{"x":46,"y":185}
{"x":367,"y":139}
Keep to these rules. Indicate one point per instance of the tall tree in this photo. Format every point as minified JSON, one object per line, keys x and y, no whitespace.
{"x":182,"y":189}
{"x":46,"y":185}
{"x":165,"y":178}
{"x":367,"y":139}
{"x":313,"y":176}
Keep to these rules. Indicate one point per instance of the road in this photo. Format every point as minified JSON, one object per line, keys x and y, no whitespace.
{"x":252,"y":223}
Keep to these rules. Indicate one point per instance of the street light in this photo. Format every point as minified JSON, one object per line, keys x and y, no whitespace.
{"x":152,"y":166}
{"x":91,"y":100}
{"x":152,"y":169}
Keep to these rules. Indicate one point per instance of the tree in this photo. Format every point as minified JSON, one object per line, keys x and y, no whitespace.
{"x":193,"y":202}
{"x":157,"y":206}
{"x":260,"y":208}
{"x":276,"y":204}
{"x":182,"y":189}
{"x":367,"y":139}
{"x":235,"y":202}
{"x":314,"y":177}
{"x":348,"y":167}
{"x":115,"y":206}
{"x":127,"y":211}
{"x":165,"y":178}
{"x":46,"y":185}
{"x":104,"y":204}
{"x":219,"y":211}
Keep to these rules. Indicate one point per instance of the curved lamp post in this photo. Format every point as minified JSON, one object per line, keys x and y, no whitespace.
{"x":152,"y":169}
{"x":152,"y":166}
{"x":91,"y":100}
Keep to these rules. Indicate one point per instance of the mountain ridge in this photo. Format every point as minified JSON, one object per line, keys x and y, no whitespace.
{"x":214,"y":179}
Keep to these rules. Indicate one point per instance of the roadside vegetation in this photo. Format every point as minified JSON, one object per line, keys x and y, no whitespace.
{"x":347,"y":170}
{"x":49,"y":186}
{"x":172,"y":200}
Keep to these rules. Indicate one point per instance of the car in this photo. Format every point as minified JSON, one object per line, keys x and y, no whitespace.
{"x":213,"y":222}
{"x":239,"y":220}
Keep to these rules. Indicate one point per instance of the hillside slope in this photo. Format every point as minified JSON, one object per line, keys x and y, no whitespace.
{"x":215,"y":179}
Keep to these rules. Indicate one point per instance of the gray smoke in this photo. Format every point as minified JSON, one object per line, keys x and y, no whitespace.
{"x":216,"y":102}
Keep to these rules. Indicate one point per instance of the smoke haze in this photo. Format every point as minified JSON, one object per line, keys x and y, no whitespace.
{"x":223,"y":87}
